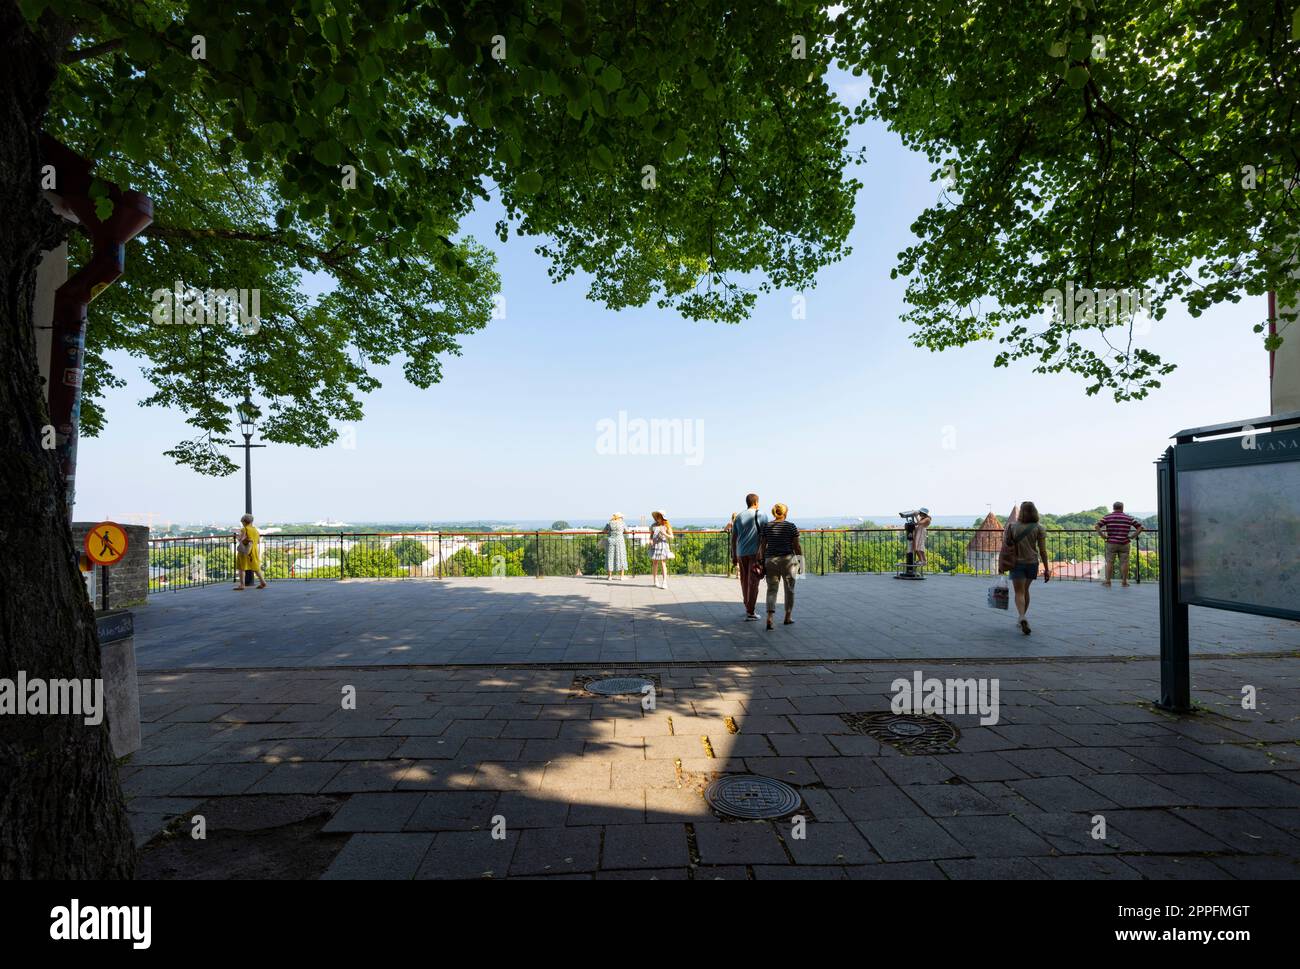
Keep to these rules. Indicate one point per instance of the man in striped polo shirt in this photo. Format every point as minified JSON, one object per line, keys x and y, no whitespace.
{"x":1120,"y":529}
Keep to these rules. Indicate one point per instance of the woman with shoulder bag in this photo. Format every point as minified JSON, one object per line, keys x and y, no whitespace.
{"x":248,"y":553}
{"x":778,"y":549}
{"x":1024,"y":552}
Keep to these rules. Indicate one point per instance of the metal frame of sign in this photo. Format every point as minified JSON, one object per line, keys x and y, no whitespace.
{"x":1190,"y":454}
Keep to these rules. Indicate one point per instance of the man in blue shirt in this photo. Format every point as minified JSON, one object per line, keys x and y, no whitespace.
{"x":744,"y":551}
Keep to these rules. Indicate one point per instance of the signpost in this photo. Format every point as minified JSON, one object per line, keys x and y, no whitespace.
{"x":105,"y":545}
{"x":1229,"y":507}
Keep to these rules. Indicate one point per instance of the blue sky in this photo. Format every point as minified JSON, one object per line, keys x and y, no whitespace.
{"x":835,"y":414}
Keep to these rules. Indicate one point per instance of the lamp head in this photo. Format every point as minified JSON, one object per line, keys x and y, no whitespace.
{"x":248,"y":414}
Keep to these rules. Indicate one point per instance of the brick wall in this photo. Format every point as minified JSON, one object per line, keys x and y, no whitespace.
{"x":128,"y":581}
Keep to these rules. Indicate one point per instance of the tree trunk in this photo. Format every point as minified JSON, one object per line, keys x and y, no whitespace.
{"x":62,"y":814}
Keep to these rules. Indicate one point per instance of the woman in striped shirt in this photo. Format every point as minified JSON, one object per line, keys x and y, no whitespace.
{"x":778,"y":544}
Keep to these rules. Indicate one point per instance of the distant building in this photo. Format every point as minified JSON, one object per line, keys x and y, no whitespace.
{"x":982,"y":552}
{"x":1090,"y":569}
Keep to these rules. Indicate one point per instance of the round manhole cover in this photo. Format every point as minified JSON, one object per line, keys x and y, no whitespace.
{"x":616,"y":685}
{"x":746,"y":796}
{"x":910,"y":733}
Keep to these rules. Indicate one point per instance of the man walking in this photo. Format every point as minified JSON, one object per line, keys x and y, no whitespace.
{"x":1120,"y":529}
{"x":744,"y":551}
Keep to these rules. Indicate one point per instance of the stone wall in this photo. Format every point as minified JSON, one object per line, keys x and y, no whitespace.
{"x":128,"y":581}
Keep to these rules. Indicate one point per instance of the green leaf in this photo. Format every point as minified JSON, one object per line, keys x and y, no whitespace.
{"x":458,"y":85}
{"x":372,"y":68}
{"x":611,"y":78}
{"x":328,"y":153}
{"x":141,"y":48}
{"x":332,"y":93}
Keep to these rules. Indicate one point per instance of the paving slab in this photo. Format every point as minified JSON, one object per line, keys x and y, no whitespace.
{"x":582,"y":619}
{"x":738,"y":843}
{"x":379,"y":856}
{"x":649,"y":846}
{"x":388,"y":811}
{"x":617,"y":790}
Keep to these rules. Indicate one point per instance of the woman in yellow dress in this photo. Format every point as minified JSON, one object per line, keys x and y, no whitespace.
{"x":248,"y":554}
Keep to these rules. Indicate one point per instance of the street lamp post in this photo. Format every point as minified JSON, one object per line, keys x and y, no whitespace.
{"x":248,"y":414}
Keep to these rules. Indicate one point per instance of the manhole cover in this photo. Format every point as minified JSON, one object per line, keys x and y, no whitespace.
{"x":747,"y":796}
{"x":908,"y":732}
{"x":617,"y":685}
{"x":906,"y":728}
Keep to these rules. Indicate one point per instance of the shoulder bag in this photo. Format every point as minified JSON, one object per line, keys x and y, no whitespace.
{"x":1007,"y":556}
{"x":757,"y":569}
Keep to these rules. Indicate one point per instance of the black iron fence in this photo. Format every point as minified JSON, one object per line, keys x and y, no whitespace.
{"x":179,"y":563}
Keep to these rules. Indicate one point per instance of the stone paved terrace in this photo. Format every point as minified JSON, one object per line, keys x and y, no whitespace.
{"x":408,"y":784}
{"x":470,"y":707}
{"x":697,"y":619}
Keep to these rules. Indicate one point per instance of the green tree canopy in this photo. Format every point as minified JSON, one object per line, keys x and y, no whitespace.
{"x":674,"y":152}
{"x":368,"y":562}
{"x":1111,"y":146}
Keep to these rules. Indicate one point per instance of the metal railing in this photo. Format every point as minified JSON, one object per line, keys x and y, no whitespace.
{"x":180,"y":563}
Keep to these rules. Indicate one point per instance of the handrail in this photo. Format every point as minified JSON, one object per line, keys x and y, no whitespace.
{"x":884,"y":529}
{"x":1077,"y":554}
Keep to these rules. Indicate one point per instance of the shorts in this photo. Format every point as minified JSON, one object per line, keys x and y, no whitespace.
{"x":1025,"y":570}
{"x":1113,"y":549}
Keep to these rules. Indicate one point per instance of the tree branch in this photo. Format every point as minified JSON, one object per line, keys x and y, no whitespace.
{"x":94,"y":50}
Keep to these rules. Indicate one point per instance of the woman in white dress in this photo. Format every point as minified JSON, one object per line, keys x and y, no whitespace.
{"x":615,"y":547}
{"x":661,"y":533}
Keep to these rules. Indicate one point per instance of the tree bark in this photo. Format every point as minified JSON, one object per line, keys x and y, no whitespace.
{"x":62,"y":814}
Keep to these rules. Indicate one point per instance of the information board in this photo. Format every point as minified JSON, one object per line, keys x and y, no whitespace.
{"x":1239,"y":524}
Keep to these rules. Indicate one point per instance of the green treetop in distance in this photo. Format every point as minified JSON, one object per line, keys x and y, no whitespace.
{"x":559,"y":525}
{"x":410,"y":551}
{"x":1111,"y":147}
{"x":678,"y":152}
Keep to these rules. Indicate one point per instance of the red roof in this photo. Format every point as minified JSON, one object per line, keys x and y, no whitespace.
{"x":989,"y":536}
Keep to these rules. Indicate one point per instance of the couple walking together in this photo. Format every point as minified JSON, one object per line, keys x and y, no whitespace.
{"x":763,"y":547}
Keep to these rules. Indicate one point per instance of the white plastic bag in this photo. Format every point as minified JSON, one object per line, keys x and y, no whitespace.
{"x":1000,"y":593}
